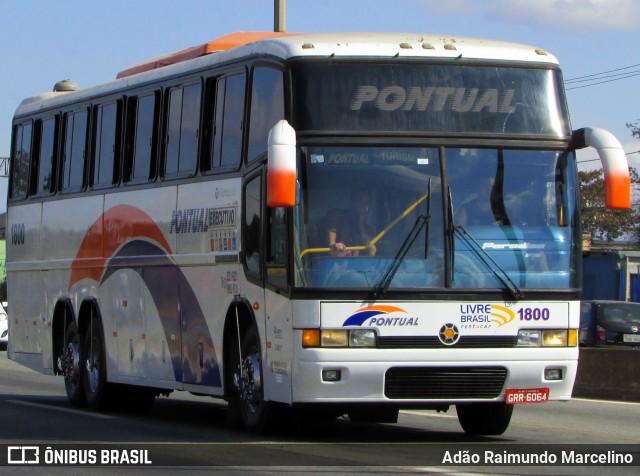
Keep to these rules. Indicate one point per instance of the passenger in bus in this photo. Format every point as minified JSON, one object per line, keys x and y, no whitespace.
{"x":476,"y":209}
{"x":349,"y":228}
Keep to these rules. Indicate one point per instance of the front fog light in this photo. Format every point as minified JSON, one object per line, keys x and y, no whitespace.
{"x":553,"y":374}
{"x":528,"y":338}
{"x":362,"y":338}
{"x":331,"y":375}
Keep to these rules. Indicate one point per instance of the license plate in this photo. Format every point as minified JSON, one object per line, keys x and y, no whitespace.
{"x":633,"y":338}
{"x":527,"y":395}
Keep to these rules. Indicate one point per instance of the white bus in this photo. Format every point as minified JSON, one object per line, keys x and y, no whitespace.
{"x":342,"y":223}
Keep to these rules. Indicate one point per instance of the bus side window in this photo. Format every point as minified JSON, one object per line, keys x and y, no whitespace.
{"x":20,"y":161}
{"x":140,"y":138}
{"x":267,"y":108}
{"x":75,"y":143}
{"x":252,"y":224}
{"x":106,"y":151}
{"x":228,"y":122}
{"x":277,"y":249}
{"x":44,"y":159}
{"x":183,"y":128}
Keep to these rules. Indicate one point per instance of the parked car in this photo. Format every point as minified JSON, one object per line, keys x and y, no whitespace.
{"x":609,"y":323}
{"x":4,"y":328}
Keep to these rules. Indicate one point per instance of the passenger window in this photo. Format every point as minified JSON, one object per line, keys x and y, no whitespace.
{"x":141,"y":130}
{"x":74,"y":150}
{"x":46,"y":157}
{"x":267,"y":108}
{"x":20,"y":161}
{"x":276,"y":260}
{"x":229,"y":120}
{"x":253,"y":224}
{"x":105,"y":167}
{"x":183,"y":126}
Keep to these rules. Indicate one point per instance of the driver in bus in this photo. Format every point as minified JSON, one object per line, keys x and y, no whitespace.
{"x":347,"y":228}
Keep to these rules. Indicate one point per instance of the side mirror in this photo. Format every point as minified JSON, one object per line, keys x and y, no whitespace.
{"x":281,"y":166}
{"x":617,"y":182}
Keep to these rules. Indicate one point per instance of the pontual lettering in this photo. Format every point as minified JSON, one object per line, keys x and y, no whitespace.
{"x":420,"y":98}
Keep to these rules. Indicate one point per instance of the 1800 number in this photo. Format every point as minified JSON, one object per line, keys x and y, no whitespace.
{"x":17,"y":234}
{"x":534,"y":314}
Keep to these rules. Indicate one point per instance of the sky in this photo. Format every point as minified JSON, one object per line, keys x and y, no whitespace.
{"x":596,"y":42}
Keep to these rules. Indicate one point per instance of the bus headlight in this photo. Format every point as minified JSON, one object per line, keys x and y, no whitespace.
{"x":333,"y":338}
{"x":554,"y":338}
{"x":338,"y":338}
{"x":547,"y":338}
{"x":528,"y":338}
{"x":362,"y":338}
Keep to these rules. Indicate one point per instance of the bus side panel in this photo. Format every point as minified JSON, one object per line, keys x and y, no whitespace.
{"x":143,"y":341}
{"x":67,"y":266}
{"x":27,"y":321}
{"x":279,"y":340}
{"x":207,"y":226}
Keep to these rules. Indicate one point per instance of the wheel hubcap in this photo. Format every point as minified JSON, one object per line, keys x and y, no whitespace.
{"x":70,"y":368}
{"x":93,"y":372}
{"x":248,"y":382}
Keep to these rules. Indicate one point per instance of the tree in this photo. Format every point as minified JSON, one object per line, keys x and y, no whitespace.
{"x":597,"y":220}
{"x":635,"y":128}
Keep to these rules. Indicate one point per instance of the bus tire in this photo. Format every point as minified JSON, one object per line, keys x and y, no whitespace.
{"x":255,"y":412}
{"x":491,"y":418}
{"x":71,"y":367}
{"x":98,"y":392}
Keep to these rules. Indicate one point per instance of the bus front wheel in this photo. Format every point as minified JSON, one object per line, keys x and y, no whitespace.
{"x":491,"y":418}
{"x":254,"y":411}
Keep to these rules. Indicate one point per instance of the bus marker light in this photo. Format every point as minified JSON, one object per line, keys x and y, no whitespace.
{"x":256,"y":306}
{"x":311,"y":338}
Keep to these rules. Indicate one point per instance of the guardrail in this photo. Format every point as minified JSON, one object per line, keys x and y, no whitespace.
{"x":608,"y":373}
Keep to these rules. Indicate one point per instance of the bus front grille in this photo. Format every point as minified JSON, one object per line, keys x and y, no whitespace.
{"x":465,"y":342}
{"x":444,"y":382}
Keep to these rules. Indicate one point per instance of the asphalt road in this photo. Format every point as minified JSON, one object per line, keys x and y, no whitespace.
{"x":185,"y":431}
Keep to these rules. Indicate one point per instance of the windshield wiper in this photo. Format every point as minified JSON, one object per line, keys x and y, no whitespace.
{"x":486,"y":259}
{"x":383,"y":284}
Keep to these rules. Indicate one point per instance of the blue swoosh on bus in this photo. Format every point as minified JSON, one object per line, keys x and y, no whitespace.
{"x":361,"y":315}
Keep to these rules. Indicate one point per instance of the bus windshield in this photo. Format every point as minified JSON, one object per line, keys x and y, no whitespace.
{"x":414,"y":97}
{"x":363,"y":208}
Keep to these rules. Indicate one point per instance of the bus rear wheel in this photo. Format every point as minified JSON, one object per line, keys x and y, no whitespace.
{"x":491,"y":418}
{"x":97,"y":390}
{"x":72,"y":370}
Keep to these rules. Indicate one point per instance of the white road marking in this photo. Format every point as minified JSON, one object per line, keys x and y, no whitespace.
{"x":61,"y":409}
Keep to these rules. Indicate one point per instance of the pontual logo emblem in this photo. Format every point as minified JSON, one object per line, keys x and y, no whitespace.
{"x":361,"y":315}
{"x":449,"y":334}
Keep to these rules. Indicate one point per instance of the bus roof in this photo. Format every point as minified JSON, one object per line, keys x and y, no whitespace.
{"x":298,"y":45}
{"x":223,"y":43}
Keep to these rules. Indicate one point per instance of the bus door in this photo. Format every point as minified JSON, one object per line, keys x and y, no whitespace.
{"x":279,"y":324}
